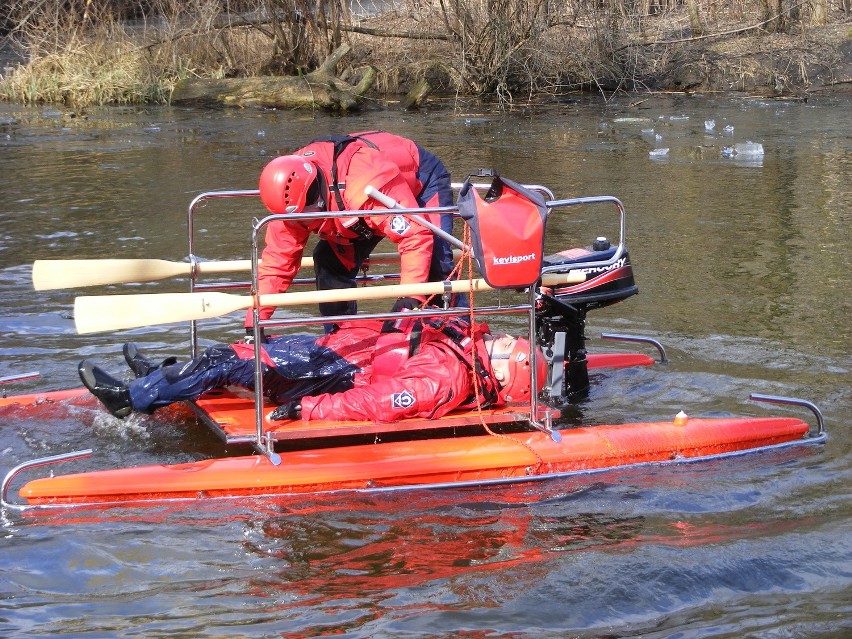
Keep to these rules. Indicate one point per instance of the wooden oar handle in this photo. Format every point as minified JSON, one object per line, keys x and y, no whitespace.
{"x":57,"y":274}
{"x":401,"y":290}
{"x":114,"y":312}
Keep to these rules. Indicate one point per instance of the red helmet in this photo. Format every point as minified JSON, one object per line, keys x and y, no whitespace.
{"x":518,"y":387}
{"x":284,"y":183}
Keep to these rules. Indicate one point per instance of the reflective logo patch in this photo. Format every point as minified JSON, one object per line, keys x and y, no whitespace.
{"x":399,"y":224}
{"x":402,"y":400}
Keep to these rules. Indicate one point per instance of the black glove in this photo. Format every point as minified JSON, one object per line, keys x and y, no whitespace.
{"x":290,"y":410}
{"x":401,"y":305}
{"x":249,"y":338}
{"x":406,"y":304}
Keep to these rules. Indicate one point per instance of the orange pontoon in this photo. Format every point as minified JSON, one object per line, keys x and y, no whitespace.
{"x":437,"y":462}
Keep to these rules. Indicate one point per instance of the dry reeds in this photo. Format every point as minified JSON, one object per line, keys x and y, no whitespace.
{"x":110,"y":51}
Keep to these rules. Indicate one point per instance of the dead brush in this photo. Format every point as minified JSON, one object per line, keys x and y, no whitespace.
{"x":503,"y":51}
{"x":81,"y":53}
{"x":102,"y":51}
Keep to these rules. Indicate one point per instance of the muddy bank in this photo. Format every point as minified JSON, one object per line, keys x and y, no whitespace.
{"x":819,"y":60}
{"x":773,"y":65}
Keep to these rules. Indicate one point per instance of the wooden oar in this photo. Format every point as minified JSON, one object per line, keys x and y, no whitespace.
{"x":54,"y":274}
{"x":114,"y":312}
{"x":20,"y":377}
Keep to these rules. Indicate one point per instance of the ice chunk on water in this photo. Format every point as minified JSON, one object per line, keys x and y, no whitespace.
{"x":743,"y":149}
{"x":748,"y":148}
{"x":709,"y":125}
{"x":728,"y":129}
{"x":658,"y":153}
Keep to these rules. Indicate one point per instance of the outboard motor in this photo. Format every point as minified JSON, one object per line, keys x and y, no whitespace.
{"x":561,"y":311}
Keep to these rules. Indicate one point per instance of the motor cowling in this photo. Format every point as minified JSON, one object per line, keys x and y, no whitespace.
{"x":561,"y":311}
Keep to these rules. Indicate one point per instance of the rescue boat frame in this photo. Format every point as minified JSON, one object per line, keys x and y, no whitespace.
{"x":556,"y":320}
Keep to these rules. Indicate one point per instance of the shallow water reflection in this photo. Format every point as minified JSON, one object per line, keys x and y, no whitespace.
{"x":742,"y":268}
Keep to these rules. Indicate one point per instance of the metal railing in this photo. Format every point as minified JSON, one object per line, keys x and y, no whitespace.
{"x":264,"y":443}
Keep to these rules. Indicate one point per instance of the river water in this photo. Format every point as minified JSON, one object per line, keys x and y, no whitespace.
{"x":743,"y":268}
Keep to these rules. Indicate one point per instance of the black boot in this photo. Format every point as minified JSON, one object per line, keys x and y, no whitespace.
{"x":110,"y":391}
{"x":141,"y":365}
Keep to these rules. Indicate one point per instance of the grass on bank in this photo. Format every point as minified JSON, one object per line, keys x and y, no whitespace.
{"x":85,"y":75}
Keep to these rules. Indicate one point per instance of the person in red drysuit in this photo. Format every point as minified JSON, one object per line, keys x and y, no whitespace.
{"x":330,"y":174}
{"x":355,"y":373}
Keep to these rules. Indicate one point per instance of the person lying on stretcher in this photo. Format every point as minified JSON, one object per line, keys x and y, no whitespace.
{"x":356,"y":373}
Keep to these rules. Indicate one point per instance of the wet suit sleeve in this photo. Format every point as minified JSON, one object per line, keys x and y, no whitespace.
{"x":428,"y":385}
{"x":280,"y":261}
{"x":414,"y":241}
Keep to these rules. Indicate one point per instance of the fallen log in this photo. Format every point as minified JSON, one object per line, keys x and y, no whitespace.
{"x":320,"y":88}
{"x":417,"y":96}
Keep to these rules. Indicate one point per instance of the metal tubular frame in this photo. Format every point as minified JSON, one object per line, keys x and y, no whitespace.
{"x":20,"y":377}
{"x":35,"y":463}
{"x":794,"y":401}
{"x":640,"y":340}
{"x":265,"y":444}
{"x":193,"y":260}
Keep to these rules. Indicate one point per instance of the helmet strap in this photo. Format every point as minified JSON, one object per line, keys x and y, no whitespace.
{"x":322,"y":185}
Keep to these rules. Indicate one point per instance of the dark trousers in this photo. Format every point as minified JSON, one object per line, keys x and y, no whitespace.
{"x":300,"y":367}
{"x":332,"y":274}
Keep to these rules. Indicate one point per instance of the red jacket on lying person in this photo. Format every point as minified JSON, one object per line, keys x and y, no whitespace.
{"x":356,"y":373}
{"x":424,"y":372}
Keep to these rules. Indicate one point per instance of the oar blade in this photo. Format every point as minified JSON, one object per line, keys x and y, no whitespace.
{"x":54,"y":274}
{"x":93,"y":314}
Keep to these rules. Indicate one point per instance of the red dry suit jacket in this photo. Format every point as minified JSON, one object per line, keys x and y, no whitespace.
{"x":394,"y":165}
{"x":427,"y":384}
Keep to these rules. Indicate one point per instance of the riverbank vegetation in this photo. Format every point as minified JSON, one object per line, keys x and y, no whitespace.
{"x":80,"y":52}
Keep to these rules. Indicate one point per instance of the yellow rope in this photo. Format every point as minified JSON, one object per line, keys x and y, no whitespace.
{"x":467,"y":259}
{"x":467,"y":256}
